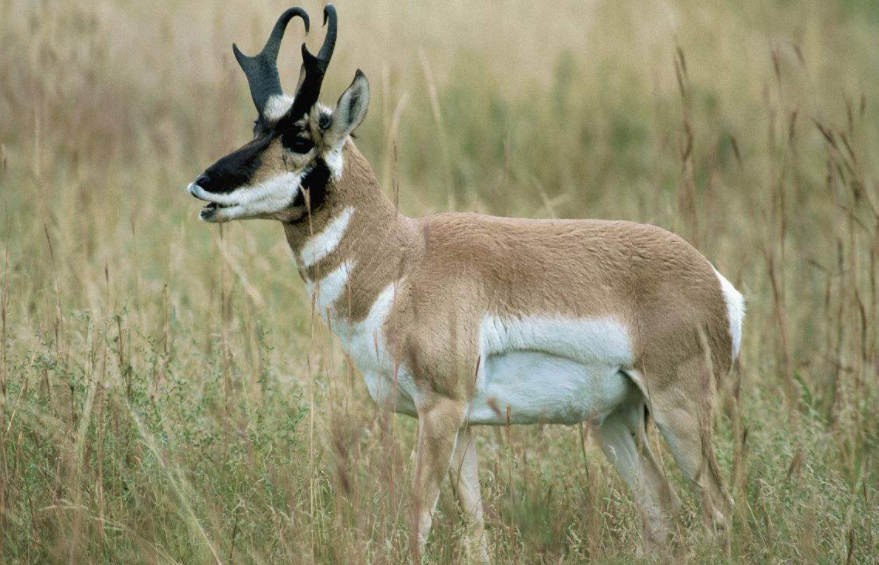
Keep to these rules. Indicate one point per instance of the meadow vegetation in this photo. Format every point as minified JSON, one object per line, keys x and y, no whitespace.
{"x":167,"y":396}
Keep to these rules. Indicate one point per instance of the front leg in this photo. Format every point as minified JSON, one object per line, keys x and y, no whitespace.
{"x":438,"y":423}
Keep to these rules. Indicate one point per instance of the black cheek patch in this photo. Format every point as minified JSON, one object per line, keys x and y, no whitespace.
{"x":315,"y":182}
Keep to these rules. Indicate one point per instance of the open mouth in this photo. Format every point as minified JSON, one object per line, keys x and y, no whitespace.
{"x":210,"y":210}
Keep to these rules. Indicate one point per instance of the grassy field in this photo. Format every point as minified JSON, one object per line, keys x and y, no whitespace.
{"x":167,"y":397}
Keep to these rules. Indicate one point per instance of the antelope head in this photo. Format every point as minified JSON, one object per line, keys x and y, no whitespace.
{"x":295,"y":155}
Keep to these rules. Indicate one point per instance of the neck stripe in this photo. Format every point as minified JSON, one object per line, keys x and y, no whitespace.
{"x":322,"y":244}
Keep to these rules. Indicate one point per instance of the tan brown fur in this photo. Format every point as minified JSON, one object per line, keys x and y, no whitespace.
{"x":455,"y":268}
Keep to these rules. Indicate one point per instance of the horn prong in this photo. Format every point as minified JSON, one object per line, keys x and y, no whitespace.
{"x":262,"y":69}
{"x":239,"y":56}
{"x":315,"y":67}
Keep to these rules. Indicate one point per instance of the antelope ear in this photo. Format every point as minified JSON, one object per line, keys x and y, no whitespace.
{"x":350,"y":111}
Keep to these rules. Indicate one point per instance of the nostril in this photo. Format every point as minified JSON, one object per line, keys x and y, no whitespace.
{"x":203,"y":181}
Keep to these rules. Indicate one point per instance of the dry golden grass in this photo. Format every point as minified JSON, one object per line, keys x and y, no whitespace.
{"x":167,"y":397}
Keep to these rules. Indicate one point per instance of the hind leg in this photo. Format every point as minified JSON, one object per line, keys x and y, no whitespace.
{"x":683,"y":417}
{"x":623,"y":439}
{"x":464,"y":475}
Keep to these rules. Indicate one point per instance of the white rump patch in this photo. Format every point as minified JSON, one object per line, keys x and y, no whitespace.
{"x":276,"y":106}
{"x":551,"y":369}
{"x":735,"y":311}
{"x":322,"y":244}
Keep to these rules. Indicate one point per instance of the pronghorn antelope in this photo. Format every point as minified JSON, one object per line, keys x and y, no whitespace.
{"x":462,"y":319}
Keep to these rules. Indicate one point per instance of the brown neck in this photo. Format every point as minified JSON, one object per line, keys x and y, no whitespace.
{"x":378,"y":241}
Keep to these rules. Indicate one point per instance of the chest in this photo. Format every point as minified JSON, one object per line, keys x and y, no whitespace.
{"x":389,"y":383}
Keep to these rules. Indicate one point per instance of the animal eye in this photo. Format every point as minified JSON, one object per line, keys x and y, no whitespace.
{"x":301,"y":145}
{"x":295,"y":140}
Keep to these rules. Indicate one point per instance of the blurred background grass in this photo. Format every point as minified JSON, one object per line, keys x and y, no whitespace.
{"x":166,"y":396}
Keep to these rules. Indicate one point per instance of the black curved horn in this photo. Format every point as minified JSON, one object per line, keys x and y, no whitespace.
{"x":314,"y":68}
{"x":262,"y":69}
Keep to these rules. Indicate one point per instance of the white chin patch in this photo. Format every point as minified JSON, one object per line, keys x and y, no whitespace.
{"x":212,"y":212}
{"x":259,"y":200}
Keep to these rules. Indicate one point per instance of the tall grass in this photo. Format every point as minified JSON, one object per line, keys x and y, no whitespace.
{"x":166,"y":395}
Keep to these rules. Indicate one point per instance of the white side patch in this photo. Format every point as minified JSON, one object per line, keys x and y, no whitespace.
{"x":551,"y":369}
{"x":735,"y":311}
{"x":535,"y":387}
{"x":276,"y":106}
{"x":329,"y":288}
{"x":586,"y":340}
{"x":322,"y":244}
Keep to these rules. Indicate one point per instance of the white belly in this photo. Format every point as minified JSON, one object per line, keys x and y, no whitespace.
{"x":537,"y":387}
